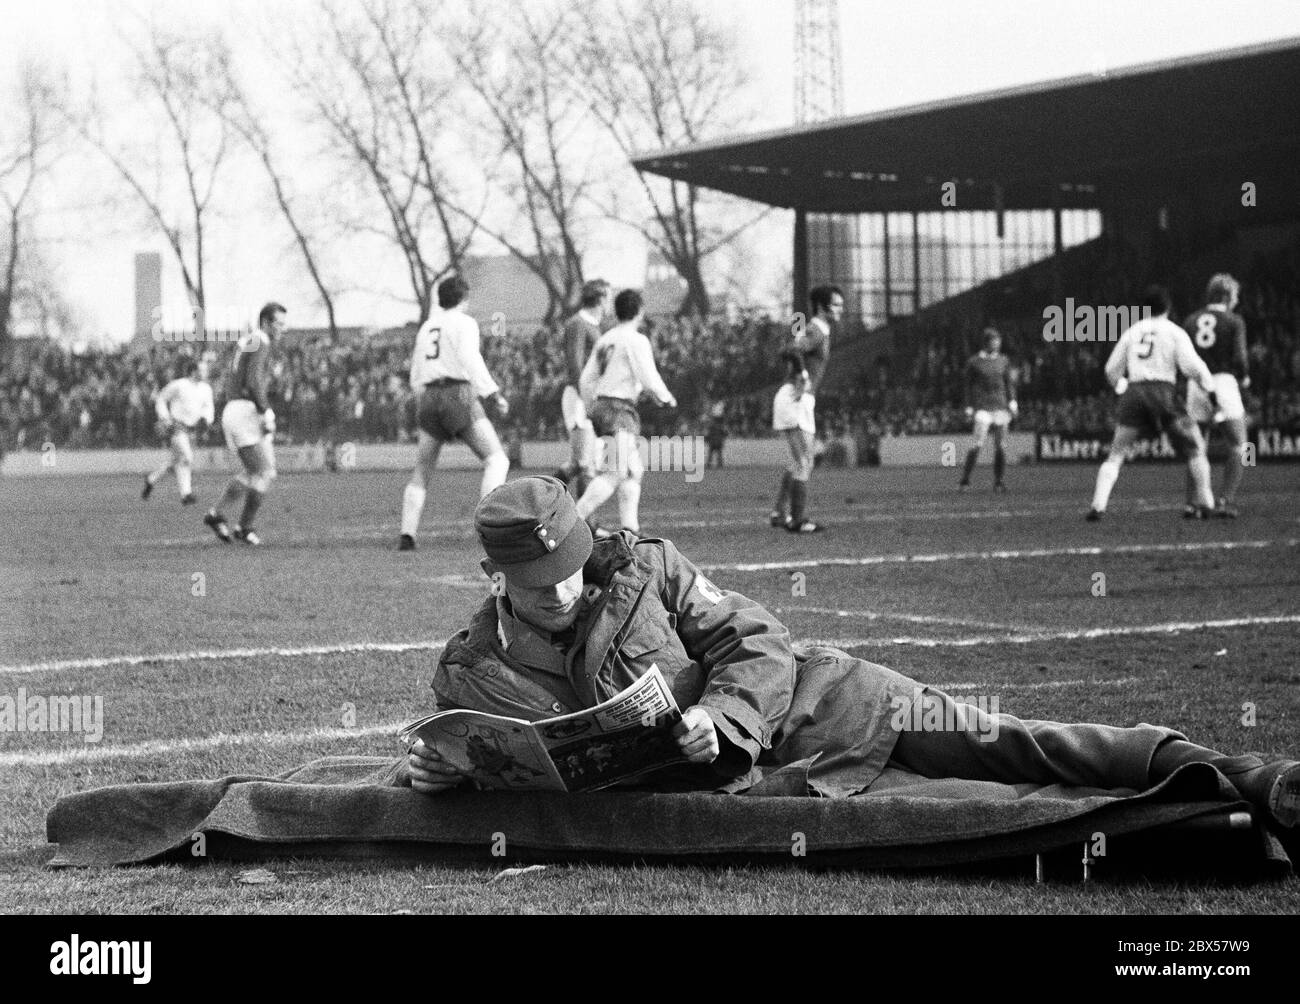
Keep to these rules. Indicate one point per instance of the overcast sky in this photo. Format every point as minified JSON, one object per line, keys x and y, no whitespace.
{"x":895,"y":53}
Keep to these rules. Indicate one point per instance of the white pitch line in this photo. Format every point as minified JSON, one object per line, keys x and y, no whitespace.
{"x":653,"y":523}
{"x":363,"y":534}
{"x":1082,"y":634}
{"x":848,"y":519}
{"x":94,"y":753}
{"x":988,"y":685}
{"x":696,"y":520}
{"x":1024,"y":638}
{"x":940,"y":509}
{"x":1038,"y":552}
{"x":225,"y":653}
{"x":874,"y":615}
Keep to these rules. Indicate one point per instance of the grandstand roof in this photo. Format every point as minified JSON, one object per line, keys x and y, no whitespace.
{"x":1080,"y":137}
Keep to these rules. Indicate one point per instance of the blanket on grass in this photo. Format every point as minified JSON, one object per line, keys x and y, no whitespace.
{"x":353,"y":806}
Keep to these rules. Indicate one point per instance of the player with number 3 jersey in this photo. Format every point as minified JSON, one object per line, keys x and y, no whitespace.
{"x":451,"y":381}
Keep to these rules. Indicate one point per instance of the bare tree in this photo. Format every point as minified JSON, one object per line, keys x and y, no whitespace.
{"x":228,"y":98}
{"x":659,"y":74}
{"x":26,"y":154}
{"x":518,"y":60}
{"x":372,"y":83}
{"x":43,"y":298}
{"x":177,"y":78}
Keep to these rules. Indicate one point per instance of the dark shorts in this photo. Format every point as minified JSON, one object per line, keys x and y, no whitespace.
{"x":1153,"y":407}
{"x":448,"y":409}
{"x":613,"y":414}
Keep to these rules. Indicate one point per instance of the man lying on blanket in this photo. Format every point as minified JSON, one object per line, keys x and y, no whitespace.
{"x":570,"y":623}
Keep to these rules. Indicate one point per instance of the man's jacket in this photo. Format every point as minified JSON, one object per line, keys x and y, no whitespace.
{"x":789,"y":722}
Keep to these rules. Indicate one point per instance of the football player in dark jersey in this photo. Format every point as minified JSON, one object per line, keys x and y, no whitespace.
{"x":580,"y":334}
{"x":805,"y":358}
{"x":248,"y":423}
{"x":1219,"y":337}
{"x":991,"y":403}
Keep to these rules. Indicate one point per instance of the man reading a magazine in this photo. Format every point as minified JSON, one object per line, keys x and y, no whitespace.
{"x":572,"y":622}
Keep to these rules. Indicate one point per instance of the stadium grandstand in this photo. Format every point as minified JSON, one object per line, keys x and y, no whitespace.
{"x":941,"y":219}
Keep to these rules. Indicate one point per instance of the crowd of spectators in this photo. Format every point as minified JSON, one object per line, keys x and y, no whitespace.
{"x":355,"y":389}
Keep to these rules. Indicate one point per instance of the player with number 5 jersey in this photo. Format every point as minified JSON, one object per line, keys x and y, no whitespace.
{"x":451,"y":383}
{"x":1219,"y":336}
{"x":1144,"y":369}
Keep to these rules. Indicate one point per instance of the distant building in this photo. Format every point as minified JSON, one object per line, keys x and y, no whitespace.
{"x":664,"y":287}
{"x":504,"y":285}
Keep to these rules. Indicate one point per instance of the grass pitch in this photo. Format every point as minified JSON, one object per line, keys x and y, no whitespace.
{"x":214,"y":660}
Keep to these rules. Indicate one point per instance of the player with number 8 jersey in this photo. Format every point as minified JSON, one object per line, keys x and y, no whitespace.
{"x":1219,"y":337}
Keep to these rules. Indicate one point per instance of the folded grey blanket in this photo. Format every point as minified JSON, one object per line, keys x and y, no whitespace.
{"x":356,"y":806}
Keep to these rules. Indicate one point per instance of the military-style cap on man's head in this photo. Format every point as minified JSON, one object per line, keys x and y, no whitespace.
{"x":530,"y":529}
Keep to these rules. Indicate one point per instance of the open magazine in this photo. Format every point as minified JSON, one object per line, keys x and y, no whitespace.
{"x":626,"y":736}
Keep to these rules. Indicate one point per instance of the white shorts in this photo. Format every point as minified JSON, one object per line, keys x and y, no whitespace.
{"x":242,"y":424}
{"x":575,"y":412}
{"x":182,"y":446}
{"x":1226,"y":390}
{"x":787,"y":413}
{"x":985,"y":419}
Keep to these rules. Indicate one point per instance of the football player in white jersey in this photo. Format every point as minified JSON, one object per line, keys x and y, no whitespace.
{"x":620,"y":367}
{"x":1144,"y":368}
{"x":805,"y":356}
{"x":184,"y":407}
{"x":451,"y":382}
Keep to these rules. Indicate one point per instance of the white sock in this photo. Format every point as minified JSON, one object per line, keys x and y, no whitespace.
{"x":1107,"y":475}
{"x":495,"y":469}
{"x":412,"y":506}
{"x":184,"y":478}
{"x":629,"y":503}
{"x":155,"y":476}
{"x":1200,"y":468}
{"x":597,"y":494}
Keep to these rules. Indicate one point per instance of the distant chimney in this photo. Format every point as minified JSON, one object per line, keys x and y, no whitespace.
{"x":148,"y":292}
